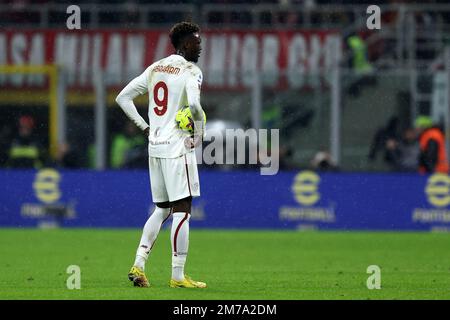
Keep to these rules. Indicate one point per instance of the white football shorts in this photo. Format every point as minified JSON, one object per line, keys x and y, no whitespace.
{"x":173,"y":179}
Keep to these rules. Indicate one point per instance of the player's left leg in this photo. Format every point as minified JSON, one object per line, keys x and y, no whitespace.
{"x":180,"y":236}
{"x":180,"y":245}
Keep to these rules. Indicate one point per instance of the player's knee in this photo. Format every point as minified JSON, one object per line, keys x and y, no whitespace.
{"x":182,"y":205}
{"x":164,"y":212}
{"x":160,"y":213}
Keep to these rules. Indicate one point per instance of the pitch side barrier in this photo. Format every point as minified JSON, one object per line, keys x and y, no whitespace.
{"x":301,"y":200}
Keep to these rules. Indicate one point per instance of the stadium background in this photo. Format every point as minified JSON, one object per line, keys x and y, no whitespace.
{"x":336,"y":90}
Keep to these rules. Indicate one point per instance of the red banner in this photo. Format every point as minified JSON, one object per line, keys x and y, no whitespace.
{"x":228,"y":61}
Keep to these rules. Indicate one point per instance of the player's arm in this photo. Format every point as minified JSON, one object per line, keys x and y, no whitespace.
{"x":193,"y":96}
{"x":136,"y":87}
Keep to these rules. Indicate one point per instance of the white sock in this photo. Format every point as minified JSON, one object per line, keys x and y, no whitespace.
{"x":149,"y":235}
{"x":180,"y":243}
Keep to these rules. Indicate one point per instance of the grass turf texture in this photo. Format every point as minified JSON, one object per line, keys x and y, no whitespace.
{"x":235,"y":264}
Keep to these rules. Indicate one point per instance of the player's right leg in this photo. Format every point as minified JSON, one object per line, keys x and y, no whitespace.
{"x":148,"y":239}
{"x":182,"y":182}
{"x":153,"y":225}
{"x":150,"y":233}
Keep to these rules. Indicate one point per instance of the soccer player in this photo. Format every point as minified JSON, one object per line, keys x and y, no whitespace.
{"x":171,"y":83}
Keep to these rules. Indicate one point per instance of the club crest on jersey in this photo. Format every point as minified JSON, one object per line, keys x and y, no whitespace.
{"x":157,"y":132}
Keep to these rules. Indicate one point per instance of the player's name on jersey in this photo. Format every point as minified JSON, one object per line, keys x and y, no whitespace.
{"x":167,"y":69}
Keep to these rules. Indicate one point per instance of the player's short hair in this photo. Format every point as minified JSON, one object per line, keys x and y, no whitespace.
{"x":181,"y":30}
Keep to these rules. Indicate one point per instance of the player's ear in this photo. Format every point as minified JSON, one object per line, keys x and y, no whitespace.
{"x":188,"y":43}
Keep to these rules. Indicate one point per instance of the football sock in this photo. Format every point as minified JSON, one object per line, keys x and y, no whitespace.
{"x":180,"y":243}
{"x":149,"y":235}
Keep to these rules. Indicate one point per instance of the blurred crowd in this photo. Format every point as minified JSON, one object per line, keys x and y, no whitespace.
{"x":281,"y":2}
{"x":284,"y":16}
{"x":25,"y":145}
{"x":421,"y":148}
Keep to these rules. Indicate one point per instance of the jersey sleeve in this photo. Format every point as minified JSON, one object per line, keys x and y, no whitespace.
{"x":137,"y":86}
{"x":193,"y":87}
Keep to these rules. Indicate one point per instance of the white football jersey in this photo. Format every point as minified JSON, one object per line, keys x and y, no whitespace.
{"x":171,"y":83}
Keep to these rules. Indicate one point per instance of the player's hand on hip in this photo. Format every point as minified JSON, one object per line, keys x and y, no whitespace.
{"x":193,"y":141}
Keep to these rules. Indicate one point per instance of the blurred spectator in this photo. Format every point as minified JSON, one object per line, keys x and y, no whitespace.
{"x":323,"y":161}
{"x":5,"y":136}
{"x":67,"y":156}
{"x":276,"y":113}
{"x":129,"y":148}
{"x":130,"y":17}
{"x":286,"y":154}
{"x":271,"y":113}
{"x":358,"y":54}
{"x":433,"y":154}
{"x":425,"y":34}
{"x":404,"y":153}
{"x":379,"y":143}
{"x":25,"y":150}
{"x":360,"y":64}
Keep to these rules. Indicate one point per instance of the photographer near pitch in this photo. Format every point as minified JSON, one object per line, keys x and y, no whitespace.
{"x":433,"y":154}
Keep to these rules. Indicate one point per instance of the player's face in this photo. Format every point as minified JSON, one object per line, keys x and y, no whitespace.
{"x":193,"y":47}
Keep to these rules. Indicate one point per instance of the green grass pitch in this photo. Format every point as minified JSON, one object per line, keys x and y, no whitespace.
{"x":236,"y":264}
